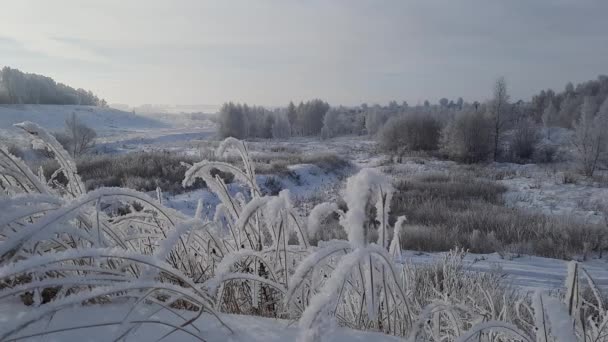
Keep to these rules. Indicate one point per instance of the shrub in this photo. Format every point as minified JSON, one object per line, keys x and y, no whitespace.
{"x":142,"y":171}
{"x":544,"y":153}
{"x":569,"y":178}
{"x":277,"y":163}
{"x":591,"y":136}
{"x":416,"y":132}
{"x":468,"y":138}
{"x":328,"y":162}
{"x":524,"y":141}
{"x":272,"y":185}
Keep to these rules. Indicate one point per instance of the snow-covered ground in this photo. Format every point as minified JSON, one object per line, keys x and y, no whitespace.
{"x":117,"y":131}
{"x":52,"y":117}
{"x":525,"y":272}
{"x":542,"y":188}
{"x":176,"y":139}
{"x":529,"y":186}
{"x":310,"y":181}
{"x":107,"y":320}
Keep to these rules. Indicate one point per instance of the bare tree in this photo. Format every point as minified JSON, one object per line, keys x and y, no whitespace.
{"x":78,"y":138}
{"x":292,"y":117}
{"x":591,"y":136}
{"x":498,"y":110}
{"x":549,"y":118}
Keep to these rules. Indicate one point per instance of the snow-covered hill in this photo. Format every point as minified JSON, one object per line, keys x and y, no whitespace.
{"x":52,"y":117}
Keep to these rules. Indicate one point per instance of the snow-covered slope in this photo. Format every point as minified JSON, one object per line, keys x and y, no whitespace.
{"x":52,"y":117}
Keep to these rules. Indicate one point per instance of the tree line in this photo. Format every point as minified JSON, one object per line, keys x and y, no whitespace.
{"x":243,"y":121}
{"x":499,"y":129}
{"x":17,"y":87}
{"x":316,"y":118}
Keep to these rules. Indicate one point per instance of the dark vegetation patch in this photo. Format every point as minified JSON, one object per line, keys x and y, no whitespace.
{"x":445,"y":211}
{"x":145,"y":171}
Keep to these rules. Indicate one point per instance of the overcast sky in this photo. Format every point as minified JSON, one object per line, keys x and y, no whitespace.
{"x":269,"y":52}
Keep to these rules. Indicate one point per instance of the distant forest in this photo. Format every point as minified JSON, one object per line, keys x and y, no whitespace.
{"x":547,"y":108}
{"x":17,"y":87}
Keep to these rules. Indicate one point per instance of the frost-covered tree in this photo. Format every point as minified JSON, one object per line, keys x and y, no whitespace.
{"x":468,"y":137}
{"x":498,"y":111}
{"x":281,"y":128}
{"x":310,"y":116}
{"x":549,"y":118}
{"x":4,"y":97}
{"x":375,"y":118}
{"x":331,"y":124}
{"x":244,"y":121}
{"x":524,"y":140}
{"x":232,"y":121}
{"x":393,"y":105}
{"x":568,"y":111}
{"x":569,"y":90}
{"x":268,"y":124}
{"x":591,"y":136}
{"x":343,"y":121}
{"x":17,"y":87}
{"x":459,"y":103}
{"x":568,"y":102}
{"x":77,"y":137}
{"x":416,"y":132}
{"x":292,"y":117}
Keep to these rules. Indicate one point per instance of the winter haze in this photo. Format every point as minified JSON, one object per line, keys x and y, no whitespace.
{"x":270,"y":52}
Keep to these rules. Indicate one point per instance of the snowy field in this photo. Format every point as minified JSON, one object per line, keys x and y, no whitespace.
{"x":176,"y":237}
{"x":117,"y":131}
{"x":106,"y":121}
{"x":527,"y":273}
{"x":530,"y":187}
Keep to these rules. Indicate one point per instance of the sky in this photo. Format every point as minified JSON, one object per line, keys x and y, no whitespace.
{"x":268,"y":52}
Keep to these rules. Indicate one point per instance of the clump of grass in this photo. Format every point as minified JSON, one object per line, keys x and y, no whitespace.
{"x":146,"y":171}
{"x":272,"y":186}
{"x":569,"y":178}
{"x":278,"y":163}
{"x":141,"y":171}
{"x":447,"y":211}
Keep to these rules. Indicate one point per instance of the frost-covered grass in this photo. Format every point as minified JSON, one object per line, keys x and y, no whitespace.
{"x":445,"y":210}
{"x":65,"y":248}
{"x":145,"y":171}
{"x":142,"y":171}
